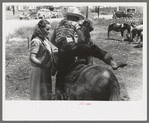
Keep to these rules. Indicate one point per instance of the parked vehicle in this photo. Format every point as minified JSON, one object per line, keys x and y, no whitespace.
{"x":122,"y":14}
{"x":54,"y":16}
{"x":33,"y":15}
{"x":44,"y":14}
{"x":24,"y":15}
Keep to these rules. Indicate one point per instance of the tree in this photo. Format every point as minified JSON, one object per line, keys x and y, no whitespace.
{"x":97,"y":9}
{"x":51,"y":8}
{"x":87,"y":12}
{"x":13,"y":10}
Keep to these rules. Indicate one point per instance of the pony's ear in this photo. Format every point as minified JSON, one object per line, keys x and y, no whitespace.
{"x":87,"y":22}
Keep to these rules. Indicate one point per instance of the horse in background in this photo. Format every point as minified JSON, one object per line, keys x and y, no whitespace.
{"x":119,"y":28}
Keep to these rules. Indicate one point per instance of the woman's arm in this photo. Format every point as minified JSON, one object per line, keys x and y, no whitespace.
{"x":35,"y":46}
{"x":37,"y":62}
{"x":34,"y":59}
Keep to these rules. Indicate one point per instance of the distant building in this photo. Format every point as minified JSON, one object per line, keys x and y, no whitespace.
{"x":131,"y":9}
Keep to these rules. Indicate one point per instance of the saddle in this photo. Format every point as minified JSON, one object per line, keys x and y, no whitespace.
{"x":75,"y":70}
{"x":76,"y":63}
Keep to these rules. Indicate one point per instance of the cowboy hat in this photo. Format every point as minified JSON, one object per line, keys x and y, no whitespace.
{"x":73,"y":11}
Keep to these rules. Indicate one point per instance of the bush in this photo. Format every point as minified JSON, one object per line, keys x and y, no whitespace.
{"x":24,"y":32}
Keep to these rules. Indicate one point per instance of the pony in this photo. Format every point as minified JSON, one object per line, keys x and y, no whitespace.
{"x":136,"y":31}
{"x":119,"y":28}
{"x":94,"y":82}
{"x":89,"y":82}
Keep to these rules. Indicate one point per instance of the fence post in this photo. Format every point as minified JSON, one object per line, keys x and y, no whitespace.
{"x":87,"y":12}
{"x":28,"y":42}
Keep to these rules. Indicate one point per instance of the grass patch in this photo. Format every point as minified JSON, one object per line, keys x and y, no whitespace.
{"x":17,"y":70}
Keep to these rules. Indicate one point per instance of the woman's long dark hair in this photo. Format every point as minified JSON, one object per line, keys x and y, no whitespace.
{"x":37,"y":32}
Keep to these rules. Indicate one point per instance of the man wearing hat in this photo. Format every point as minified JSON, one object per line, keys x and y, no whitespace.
{"x":63,"y":38}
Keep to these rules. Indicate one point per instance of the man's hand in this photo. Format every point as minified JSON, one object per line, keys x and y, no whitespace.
{"x":81,"y":39}
{"x":45,"y":65}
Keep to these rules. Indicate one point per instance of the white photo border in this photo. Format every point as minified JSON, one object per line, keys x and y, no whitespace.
{"x":71,"y":110}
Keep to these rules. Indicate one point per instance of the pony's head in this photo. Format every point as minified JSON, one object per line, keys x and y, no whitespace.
{"x":86,"y":27}
{"x":87,"y":23}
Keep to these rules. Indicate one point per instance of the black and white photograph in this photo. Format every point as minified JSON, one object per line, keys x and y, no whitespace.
{"x":74,"y":57}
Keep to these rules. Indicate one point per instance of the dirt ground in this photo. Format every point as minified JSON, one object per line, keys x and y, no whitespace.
{"x":17,"y":66}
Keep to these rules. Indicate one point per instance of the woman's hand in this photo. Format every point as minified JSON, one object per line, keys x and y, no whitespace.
{"x":45,"y":65}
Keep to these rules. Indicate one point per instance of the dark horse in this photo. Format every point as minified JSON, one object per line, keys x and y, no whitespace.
{"x":90,"y":82}
{"x":119,"y":28}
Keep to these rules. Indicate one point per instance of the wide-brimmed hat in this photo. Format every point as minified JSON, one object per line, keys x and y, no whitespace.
{"x":73,"y":11}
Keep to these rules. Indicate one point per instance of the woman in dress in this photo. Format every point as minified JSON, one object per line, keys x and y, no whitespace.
{"x":40,"y":57}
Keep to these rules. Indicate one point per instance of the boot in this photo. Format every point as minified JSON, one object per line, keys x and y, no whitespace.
{"x":115,"y":65}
